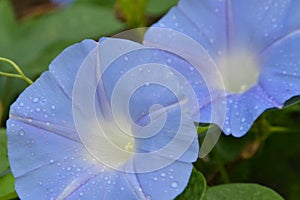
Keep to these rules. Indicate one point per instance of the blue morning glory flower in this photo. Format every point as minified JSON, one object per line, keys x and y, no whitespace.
{"x":254,"y":44}
{"x":109,"y":120}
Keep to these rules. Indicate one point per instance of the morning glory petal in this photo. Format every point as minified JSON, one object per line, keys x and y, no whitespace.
{"x":241,"y":111}
{"x":49,"y":155}
{"x":166,"y":183}
{"x":40,"y":165}
{"x":262,"y":22}
{"x":65,"y":66}
{"x":254,"y":47}
{"x":281,"y":69}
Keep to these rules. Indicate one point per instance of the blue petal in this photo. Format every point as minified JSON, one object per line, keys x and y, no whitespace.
{"x":203,"y":21}
{"x":244,"y":109}
{"x":166,"y":183}
{"x":41,"y":159}
{"x":269,"y":28}
{"x":219,"y":25}
{"x":45,"y":152}
{"x":280,"y":76}
{"x":65,"y":66}
{"x":109,"y":185}
{"x":260,"y":23}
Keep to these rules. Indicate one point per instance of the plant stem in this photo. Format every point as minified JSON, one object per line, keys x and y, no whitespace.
{"x":17,"y":68}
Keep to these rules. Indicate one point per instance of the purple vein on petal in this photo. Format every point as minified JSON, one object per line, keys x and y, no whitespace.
{"x":229,"y":25}
{"x":62,"y":131}
{"x":80,"y":181}
{"x":268,"y":97}
{"x":194,"y":23}
{"x":264,"y":53}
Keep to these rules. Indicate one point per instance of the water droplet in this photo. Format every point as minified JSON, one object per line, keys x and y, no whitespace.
{"x":21,"y":104}
{"x":125,"y":58}
{"x":174,"y":184}
{"x":51,"y":161}
{"x":35,"y":100}
{"x":228,"y":130}
{"x":53,"y":107}
{"x":241,"y":128}
{"x":40,"y":183}
{"x":155,"y":178}
{"x":81,"y":194}
{"x":243,"y":119}
{"x":21,"y":133}
{"x":122,"y":188}
{"x":163,"y":174}
{"x":38,"y":110}
{"x":69,"y":169}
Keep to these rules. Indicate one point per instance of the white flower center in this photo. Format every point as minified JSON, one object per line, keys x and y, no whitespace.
{"x":239,"y":70}
{"x":109,"y":144}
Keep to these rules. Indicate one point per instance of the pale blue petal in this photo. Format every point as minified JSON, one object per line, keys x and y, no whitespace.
{"x":280,"y":76}
{"x":203,"y":21}
{"x":259,"y":23}
{"x":41,"y":105}
{"x":165,"y":183}
{"x":43,"y":162}
{"x":108,"y":185}
{"x":45,"y":152}
{"x":65,"y":66}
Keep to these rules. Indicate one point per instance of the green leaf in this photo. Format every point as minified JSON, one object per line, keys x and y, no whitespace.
{"x":241,"y":191}
{"x":196,"y":187}
{"x":4,"y":165}
{"x":63,"y":25}
{"x":7,"y":188}
{"x":33,"y":42}
{"x":159,"y":7}
{"x":7,"y":181}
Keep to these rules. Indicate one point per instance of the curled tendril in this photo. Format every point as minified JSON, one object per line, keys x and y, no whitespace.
{"x":20,"y":74}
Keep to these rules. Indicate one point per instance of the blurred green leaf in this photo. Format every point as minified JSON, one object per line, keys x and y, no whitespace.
{"x":133,"y":12}
{"x":109,"y":3}
{"x":34,"y":42}
{"x":4,"y":165}
{"x":159,"y":7}
{"x":196,"y":187}
{"x":72,"y":24}
{"x":241,"y":191}
{"x":7,"y":190}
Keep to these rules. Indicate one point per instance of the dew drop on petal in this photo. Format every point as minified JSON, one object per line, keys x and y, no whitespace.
{"x":174,"y":184}
{"x":35,"y":100}
{"x":21,"y":133}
